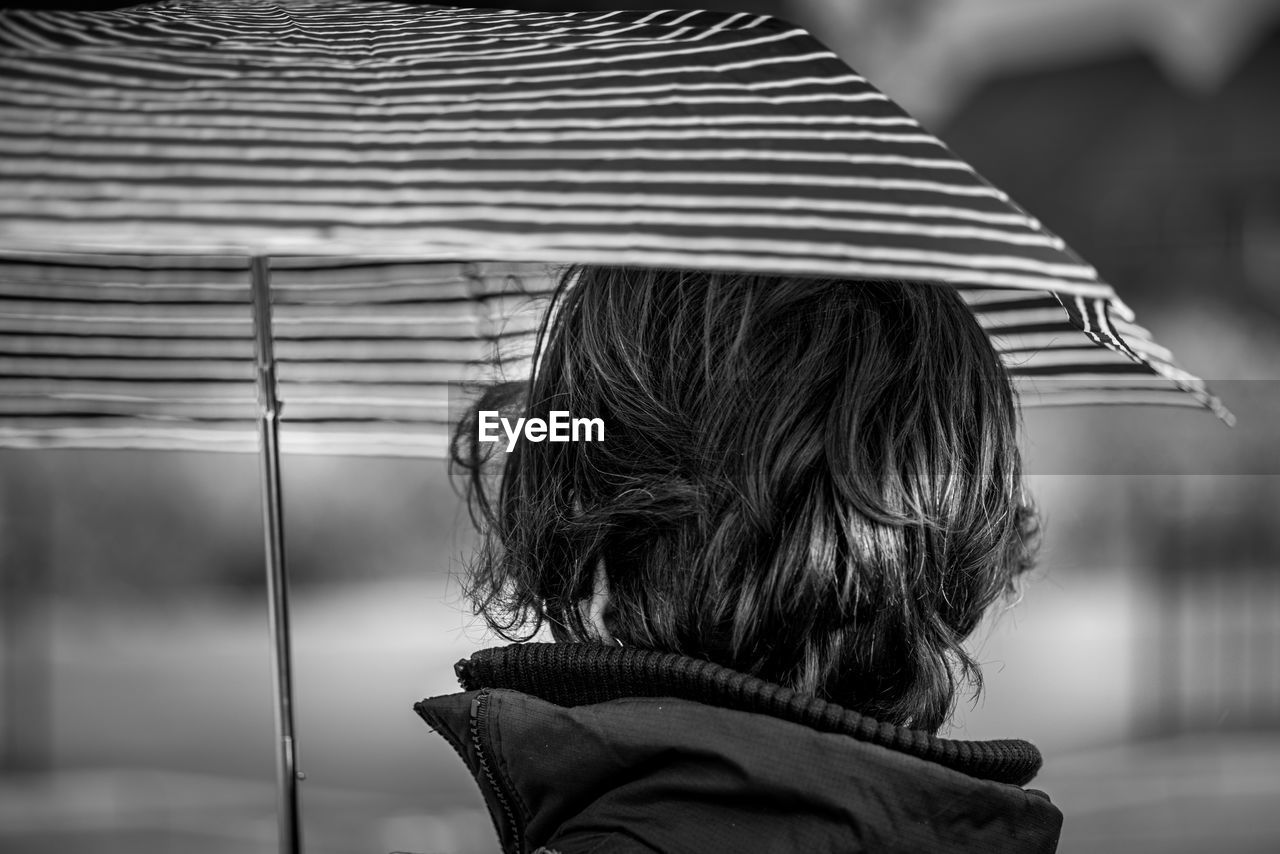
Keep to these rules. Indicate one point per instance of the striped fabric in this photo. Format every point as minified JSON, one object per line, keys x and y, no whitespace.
{"x":135,"y":352}
{"x":414,"y":171}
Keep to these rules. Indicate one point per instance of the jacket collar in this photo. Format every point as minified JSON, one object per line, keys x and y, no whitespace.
{"x":578,"y":674}
{"x":580,"y":747}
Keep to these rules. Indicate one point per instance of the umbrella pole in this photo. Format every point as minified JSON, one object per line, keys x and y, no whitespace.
{"x":287,"y":776}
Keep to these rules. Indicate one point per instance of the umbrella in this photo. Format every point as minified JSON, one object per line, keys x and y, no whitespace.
{"x":217,"y":214}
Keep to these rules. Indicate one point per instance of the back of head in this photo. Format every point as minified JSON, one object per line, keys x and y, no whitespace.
{"x":812,"y":481}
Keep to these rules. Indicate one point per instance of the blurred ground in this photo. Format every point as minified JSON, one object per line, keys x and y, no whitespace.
{"x":162,"y":732}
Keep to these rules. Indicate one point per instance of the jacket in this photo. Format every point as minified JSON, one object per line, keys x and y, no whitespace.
{"x":588,"y":749}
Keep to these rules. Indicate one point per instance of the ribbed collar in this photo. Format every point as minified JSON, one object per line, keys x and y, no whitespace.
{"x":578,"y":674}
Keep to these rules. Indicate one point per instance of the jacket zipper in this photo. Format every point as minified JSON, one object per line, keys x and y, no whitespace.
{"x":479,"y":720}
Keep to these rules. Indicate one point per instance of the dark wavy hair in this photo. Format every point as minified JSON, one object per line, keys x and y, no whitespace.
{"x":814,"y":481}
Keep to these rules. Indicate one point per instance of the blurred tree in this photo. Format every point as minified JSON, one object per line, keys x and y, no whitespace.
{"x":1167,"y":191}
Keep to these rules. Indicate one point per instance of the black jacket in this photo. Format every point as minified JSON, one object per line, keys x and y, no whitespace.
{"x":583,"y":748}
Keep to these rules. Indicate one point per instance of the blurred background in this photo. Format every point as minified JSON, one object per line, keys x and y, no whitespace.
{"x":1143,"y":658}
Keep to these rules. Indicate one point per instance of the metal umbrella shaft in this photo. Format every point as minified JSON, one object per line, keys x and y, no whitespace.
{"x":290,"y":837}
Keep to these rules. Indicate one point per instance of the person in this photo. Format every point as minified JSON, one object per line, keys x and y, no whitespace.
{"x":759,"y":579}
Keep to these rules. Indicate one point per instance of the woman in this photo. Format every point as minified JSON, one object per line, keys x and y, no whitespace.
{"x":807,"y":494}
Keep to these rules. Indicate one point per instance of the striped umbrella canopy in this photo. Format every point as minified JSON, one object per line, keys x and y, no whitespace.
{"x":325,"y":212}
{"x":412,"y":171}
